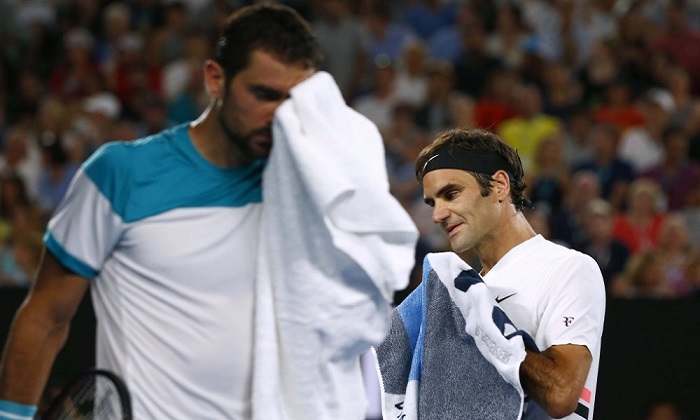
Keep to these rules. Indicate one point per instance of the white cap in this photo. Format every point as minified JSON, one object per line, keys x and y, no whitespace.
{"x":103,"y":103}
{"x":662,"y":98}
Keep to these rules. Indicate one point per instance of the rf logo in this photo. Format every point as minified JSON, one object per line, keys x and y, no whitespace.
{"x":568,"y":320}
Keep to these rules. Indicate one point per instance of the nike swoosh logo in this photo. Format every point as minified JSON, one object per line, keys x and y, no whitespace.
{"x":501,"y":299}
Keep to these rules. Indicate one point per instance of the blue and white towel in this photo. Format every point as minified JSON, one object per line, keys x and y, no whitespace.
{"x":335,"y":246}
{"x":451,"y":353}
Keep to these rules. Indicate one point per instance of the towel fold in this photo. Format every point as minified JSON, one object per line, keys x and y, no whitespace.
{"x":335,"y":245}
{"x":451,"y":353}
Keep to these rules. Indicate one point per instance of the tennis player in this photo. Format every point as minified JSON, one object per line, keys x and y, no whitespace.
{"x":474,"y":183}
{"x":164,"y":230}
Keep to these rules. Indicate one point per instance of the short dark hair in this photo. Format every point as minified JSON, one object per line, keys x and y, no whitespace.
{"x":274,"y":28}
{"x":477,"y":139}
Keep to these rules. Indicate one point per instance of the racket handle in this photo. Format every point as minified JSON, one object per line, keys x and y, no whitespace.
{"x":15,"y":411}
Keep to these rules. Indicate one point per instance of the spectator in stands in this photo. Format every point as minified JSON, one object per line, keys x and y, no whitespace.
{"x":461,"y":110}
{"x":342,"y":39}
{"x":677,"y":175}
{"x":72,"y":79}
{"x":599,"y":72}
{"x":530,"y":126}
{"x":20,"y":158}
{"x":675,"y":249}
{"x":426,"y":17}
{"x":638,"y":226}
{"x":380,"y":100}
{"x":26,"y":252}
{"x":23,"y":104}
{"x":614,"y":173}
{"x":434,"y":114}
{"x":618,"y":107}
{"x":474,"y":64}
{"x":411,"y":76}
{"x":678,"y":82}
{"x":550,"y":178}
{"x":386,"y":37}
{"x":691,"y":214}
{"x":642,"y":278}
{"x":599,"y":242}
{"x":57,"y":172}
{"x":680,"y":41}
{"x":496,"y":102}
{"x":567,"y":222}
{"x":511,"y":39}
{"x":132,"y":76}
{"x":115,"y":26}
{"x":168,"y":40}
{"x":642,"y":146}
{"x":447,"y":43}
{"x":577,"y":144}
{"x":562,"y":92}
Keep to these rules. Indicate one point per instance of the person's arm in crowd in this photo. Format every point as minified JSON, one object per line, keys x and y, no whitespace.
{"x":555,"y":377}
{"x":39,"y":331}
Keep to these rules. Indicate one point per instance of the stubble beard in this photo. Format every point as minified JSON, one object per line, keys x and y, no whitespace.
{"x":239,"y":142}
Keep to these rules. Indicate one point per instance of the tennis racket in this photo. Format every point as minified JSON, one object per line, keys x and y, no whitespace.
{"x":95,"y":394}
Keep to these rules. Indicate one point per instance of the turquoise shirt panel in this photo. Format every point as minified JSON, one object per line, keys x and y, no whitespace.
{"x":163,"y":172}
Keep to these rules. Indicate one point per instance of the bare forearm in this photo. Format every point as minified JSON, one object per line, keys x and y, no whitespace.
{"x":555,"y":384}
{"x":29,"y":355}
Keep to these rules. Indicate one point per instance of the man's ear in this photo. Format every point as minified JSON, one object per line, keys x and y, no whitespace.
{"x":501,"y":184}
{"x":214,"y":79}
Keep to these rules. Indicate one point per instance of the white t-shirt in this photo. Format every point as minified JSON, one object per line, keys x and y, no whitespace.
{"x":557,"y":295}
{"x":170,"y":243}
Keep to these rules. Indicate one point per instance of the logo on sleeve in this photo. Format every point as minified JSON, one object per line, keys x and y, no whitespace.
{"x":568,"y":320}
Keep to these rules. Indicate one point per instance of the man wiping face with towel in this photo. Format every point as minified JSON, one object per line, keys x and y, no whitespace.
{"x":474,"y":183}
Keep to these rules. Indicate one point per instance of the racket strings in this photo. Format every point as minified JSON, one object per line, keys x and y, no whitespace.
{"x":96,"y":398}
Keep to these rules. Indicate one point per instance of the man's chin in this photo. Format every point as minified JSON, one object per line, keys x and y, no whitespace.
{"x":261,"y":150}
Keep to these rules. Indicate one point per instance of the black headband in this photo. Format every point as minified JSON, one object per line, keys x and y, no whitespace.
{"x":480,"y":161}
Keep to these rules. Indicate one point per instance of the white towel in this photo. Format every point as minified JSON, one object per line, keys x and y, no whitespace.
{"x":335,"y":245}
{"x":452,"y":353}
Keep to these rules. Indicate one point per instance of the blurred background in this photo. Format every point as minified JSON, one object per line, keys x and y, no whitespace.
{"x":600,"y":97}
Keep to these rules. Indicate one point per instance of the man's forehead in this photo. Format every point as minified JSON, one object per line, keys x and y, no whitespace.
{"x":433,"y":181}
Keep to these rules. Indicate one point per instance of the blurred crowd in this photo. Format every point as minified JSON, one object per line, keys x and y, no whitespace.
{"x":600,"y":97}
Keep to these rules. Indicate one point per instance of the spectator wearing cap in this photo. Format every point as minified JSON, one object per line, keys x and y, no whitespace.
{"x":642,"y":146}
{"x":94,"y":125}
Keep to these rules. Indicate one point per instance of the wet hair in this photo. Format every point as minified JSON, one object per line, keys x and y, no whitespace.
{"x":273,"y":28}
{"x":460,"y":140}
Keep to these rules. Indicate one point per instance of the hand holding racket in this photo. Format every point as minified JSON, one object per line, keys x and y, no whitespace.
{"x":95,"y":394}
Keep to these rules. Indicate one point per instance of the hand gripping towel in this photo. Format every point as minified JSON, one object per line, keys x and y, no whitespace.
{"x":335,"y":245}
{"x":451,"y":353}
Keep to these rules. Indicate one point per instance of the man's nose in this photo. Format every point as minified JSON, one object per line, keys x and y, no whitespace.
{"x":440,"y":213}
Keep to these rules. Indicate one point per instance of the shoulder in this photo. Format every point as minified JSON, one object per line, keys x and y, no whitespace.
{"x":120,"y":157}
{"x":566,"y":265}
